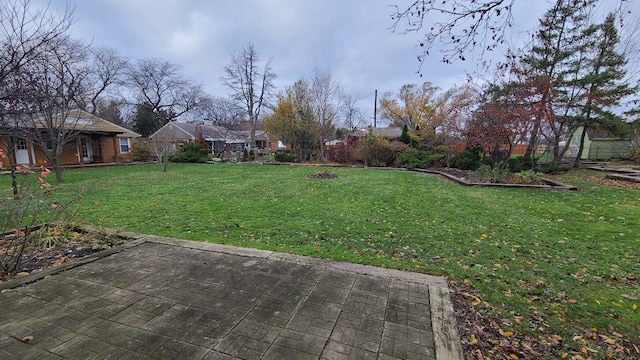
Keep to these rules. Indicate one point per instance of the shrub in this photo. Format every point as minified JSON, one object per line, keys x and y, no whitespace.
{"x":343,"y":154}
{"x":469,"y":159}
{"x":377,"y":151}
{"x":285,"y":157}
{"x":141,"y":151}
{"x":189,"y":153}
{"x":486,"y":174}
{"x":25,"y":211}
{"x":529,"y":177}
{"x":414,"y":158}
{"x":520,"y":163}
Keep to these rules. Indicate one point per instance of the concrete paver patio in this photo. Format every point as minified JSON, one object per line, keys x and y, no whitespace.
{"x":172,"y":299}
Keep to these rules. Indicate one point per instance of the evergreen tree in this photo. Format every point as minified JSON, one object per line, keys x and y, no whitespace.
{"x":604,"y":73}
{"x":555,"y":68}
{"x":146,"y":121}
{"x":404,"y":138}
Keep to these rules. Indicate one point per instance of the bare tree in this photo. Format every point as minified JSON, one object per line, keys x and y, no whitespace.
{"x":164,"y":88}
{"x":460,"y":27}
{"x":249,"y":84}
{"x":221,"y":112}
{"x":26,"y":33}
{"x":106,"y":69}
{"x":58,"y":87}
{"x":465,"y":25}
{"x":352,"y":116}
{"x":163,"y":148}
{"x":27,"y":36}
{"x":326,"y":94}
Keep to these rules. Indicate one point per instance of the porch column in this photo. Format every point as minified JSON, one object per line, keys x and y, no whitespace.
{"x":116,"y":148}
{"x":79,"y":148}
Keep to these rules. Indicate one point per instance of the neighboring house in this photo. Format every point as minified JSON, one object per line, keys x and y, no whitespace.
{"x":98,"y":141}
{"x":390,"y":133}
{"x":599,"y":145}
{"x":216,"y":139}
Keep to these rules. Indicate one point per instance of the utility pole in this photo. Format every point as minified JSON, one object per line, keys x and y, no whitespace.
{"x":375,"y":109}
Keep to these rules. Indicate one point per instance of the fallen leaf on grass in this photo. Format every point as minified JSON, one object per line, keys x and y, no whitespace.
{"x":555,"y":338}
{"x":505,"y":333}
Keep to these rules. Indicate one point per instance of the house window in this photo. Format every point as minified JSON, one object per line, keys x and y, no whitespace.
{"x":21,"y":144}
{"x":124,"y":146}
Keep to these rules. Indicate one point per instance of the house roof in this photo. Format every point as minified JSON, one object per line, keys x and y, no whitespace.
{"x":80,"y":120}
{"x":602,"y":134}
{"x":181,"y":130}
{"x":387,"y":132}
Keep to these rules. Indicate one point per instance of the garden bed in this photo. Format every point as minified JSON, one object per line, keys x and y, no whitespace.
{"x":52,"y":245}
{"x":463,"y":177}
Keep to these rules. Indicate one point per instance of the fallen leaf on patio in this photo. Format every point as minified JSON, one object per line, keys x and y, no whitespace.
{"x":26,"y":338}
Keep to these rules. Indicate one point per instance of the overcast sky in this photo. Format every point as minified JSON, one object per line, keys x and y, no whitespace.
{"x":349,"y":37}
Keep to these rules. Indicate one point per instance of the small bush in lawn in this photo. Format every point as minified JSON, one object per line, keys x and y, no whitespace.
{"x":486,"y":174}
{"x":528,"y":177}
{"x":414,"y":158}
{"x":252,"y":155}
{"x":189,"y":153}
{"x":285,"y":157}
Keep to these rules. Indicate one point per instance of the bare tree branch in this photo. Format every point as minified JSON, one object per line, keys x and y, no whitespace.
{"x":249,"y":85}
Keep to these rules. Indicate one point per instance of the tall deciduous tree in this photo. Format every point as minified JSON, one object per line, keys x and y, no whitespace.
{"x":413,"y":106}
{"x":293,"y":120}
{"x":222,"y":112}
{"x":58,"y":87}
{"x":352,"y":115}
{"x":250,"y":84}
{"x":326,"y":94}
{"x":163,"y":87}
{"x":106,"y":76}
{"x":26,"y":33}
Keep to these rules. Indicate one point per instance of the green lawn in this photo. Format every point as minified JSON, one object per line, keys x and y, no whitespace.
{"x":547,"y":262}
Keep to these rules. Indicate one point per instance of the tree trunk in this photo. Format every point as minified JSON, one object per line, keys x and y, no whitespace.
{"x":59,"y":175}
{"x":578,"y":160}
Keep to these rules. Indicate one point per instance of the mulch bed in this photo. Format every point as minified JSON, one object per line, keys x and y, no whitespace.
{"x":39,"y":258}
{"x":323,"y":175}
